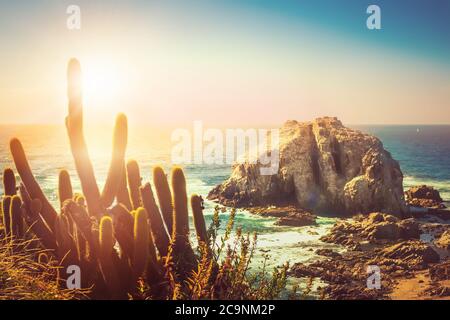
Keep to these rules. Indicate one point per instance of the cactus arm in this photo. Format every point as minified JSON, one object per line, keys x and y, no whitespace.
{"x":156,"y":222}
{"x":134,"y":182}
{"x":74,"y":126}
{"x":182,"y":254}
{"x":180,"y":210}
{"x":33,"y":188}
{"x":141,"y":242}
{"x":123,"y":222}
{"x":67,"y":251}
{"x":83,"y":224}
{"x":120,"y":137}
{"x":64,"y":187}
{"x":106,"y":251}
{"x":6,"y":207}
{"x":123,"y":196}
{"x":199,"y":220}
{"x":16,"y":219}
{"x":9,"y":182}
{"x":35,"y":221}
{"x":164,"y":196}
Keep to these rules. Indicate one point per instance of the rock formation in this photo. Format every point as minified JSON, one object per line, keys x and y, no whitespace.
{"x":324,"y":166}
{"x":425,"y":197}
{"x":376,"y":226}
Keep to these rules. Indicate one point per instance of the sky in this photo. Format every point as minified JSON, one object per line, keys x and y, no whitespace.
{"x":230,"y":62}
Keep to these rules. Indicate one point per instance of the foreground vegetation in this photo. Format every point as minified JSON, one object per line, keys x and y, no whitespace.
{"x":127,"y":243}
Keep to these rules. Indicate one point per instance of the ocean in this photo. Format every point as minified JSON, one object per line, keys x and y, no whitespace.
{"x":423,"y":153}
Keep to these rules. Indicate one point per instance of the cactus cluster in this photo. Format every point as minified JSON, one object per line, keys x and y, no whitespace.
{"x":120,"y":237}
{"x":128,"y":241}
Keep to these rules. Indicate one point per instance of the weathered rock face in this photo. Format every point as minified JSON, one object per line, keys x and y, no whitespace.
{"x":324,"y":166}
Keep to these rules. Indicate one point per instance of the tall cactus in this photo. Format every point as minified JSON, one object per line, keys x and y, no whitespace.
{"x":16,"y":219}
{"x":156,"y":222}
{"x":134,"y":182}
{"x":30,"y":183}
{"x":106,"y":248}
{"x":74,"y":125}
{"x":9,"y":182}
{"x":199,"y":220}
{"x":64,"y":187}
{"x":120,"y":137}
{"x":164,"y":196}
{"x":141,"y":242}
{"x":183,"y":255}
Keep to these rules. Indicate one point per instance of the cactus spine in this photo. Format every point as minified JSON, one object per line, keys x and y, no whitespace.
{"x":64,"y":187}
{"x":9,"y":182}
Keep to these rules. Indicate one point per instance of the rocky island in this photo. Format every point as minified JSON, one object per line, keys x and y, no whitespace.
{"x":324,"y":167}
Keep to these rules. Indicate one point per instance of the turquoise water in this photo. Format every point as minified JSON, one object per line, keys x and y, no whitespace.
{"x":423,"y":152}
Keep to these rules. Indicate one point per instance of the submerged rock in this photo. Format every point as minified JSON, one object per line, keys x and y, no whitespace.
{"x":324,"y":166}
{"x":287,"y":216}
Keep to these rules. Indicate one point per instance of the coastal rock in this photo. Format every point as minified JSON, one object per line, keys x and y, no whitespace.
{"x":346,"y":274}
{"x":328,"y":253}
{"x":346,"y":277}
{"x":424,"y":197}
{"x":376,"y":226}
{"x":323,"y":166}
{"x":440,"y":272}
{"x":444,"y":240}
{"x":415,"y":253}
{"x":287,"y":216}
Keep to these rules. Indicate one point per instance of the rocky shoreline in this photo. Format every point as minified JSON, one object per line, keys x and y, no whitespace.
{"x":413,"y":253}
{"x":328,"y":168}
{"x":393,"y":245}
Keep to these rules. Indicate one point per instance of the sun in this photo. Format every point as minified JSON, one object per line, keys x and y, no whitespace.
{"x":104,"y":84}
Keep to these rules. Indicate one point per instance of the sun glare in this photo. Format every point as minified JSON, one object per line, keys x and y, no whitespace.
{"x":104,"y":84}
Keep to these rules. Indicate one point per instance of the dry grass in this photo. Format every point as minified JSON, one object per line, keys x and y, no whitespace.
{"x":23,"y":278}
